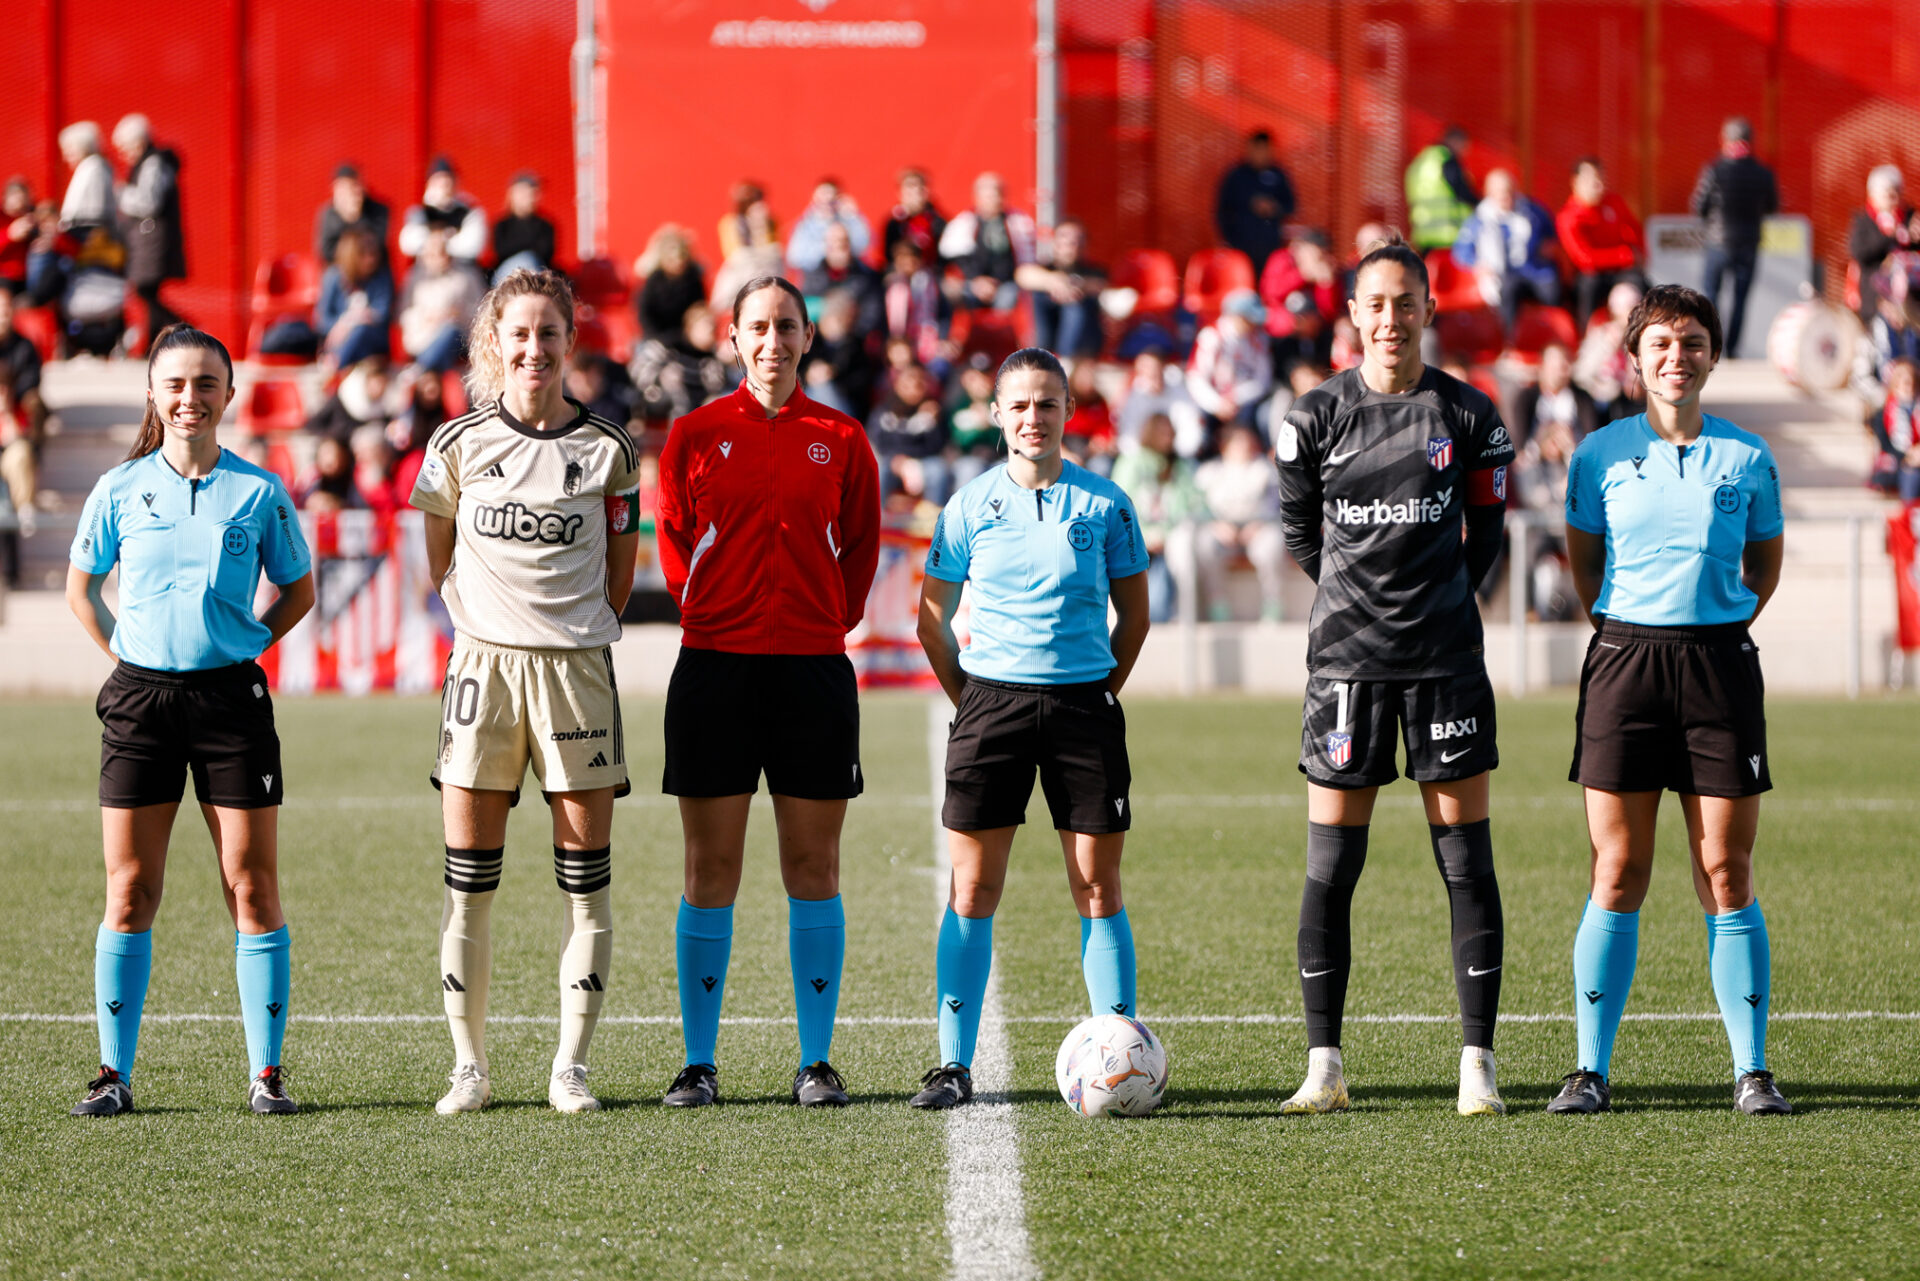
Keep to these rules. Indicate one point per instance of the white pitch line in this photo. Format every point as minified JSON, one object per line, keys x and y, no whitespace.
{"x":1058,"y":1020}
{"x":986,"y":1202}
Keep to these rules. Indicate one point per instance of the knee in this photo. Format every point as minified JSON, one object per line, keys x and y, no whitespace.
{"x":1620,"y":885}
{"x":1731,"y":883}
{"x":976,"y":898}
{"x":132,"y":904}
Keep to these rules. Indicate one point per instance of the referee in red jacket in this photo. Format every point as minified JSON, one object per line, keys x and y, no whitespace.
{"x":769,"y":520}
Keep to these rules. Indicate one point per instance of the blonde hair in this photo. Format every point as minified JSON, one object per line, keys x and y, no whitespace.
{"x":487,"y":376}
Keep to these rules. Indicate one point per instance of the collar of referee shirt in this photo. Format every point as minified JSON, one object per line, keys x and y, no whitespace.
{"x":750,"y":405}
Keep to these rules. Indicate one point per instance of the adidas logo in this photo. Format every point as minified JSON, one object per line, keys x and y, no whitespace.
{"x":708,"y":982}
{"x":114,"y":1007}
{"x":1119,"y":1007}
{"x":598,"y":761}
{"x":495,"y":472}
{"x":1593,"y":998}
{"x":274,"y":1008}
{"x":452,"y":984}
{"x":819,"y":985}
{"x":591,"y":983}
{"x":955,"y":1005}
{"x":1753,"y":999}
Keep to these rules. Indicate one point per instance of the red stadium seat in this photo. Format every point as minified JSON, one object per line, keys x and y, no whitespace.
{"x":1212,"y":274}
{"x":272,"y":405}
{"x":1154,"y":275}
{"x":39,"y":326}
{"x":1539,"y":327}
{"x":1453,"y":289}
{"x":1473,"y":335}
{"x":599,"y":282}
{"x":284,"y":288}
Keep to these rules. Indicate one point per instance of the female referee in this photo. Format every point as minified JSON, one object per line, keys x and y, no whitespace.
{"x":532,"y":520}
{"x":191,"y":527}
{"x":1675,"y":534}
{"x":1045,"y":545}
{"x":1393,"y":489}
{"x":769,"y":520}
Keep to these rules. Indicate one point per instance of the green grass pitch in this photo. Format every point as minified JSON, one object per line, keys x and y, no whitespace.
{"x":368,"y":1181}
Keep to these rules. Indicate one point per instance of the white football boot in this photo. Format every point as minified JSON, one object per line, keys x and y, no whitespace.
{"x":567,"y":1090}
{"x":1324,"y":1090}
{"x":470,"y":1090}
{"x":1479,"y":1096}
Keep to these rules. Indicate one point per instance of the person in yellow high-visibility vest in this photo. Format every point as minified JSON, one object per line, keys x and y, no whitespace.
{"x":1440,"y":195}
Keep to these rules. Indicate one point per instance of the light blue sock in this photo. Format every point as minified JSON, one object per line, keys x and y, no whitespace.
{"x":1106,"y":962}
{"x":1605,"y":950}
{"x":817,"y":947}
{"x":961,"y":965}
{"x":261,"y":964}
{"x":1741,"y":962}
{"x":702,"y":945}
{"x":121,"y":966}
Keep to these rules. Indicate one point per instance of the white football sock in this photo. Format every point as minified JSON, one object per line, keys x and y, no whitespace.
{"x":586,"y":955}
{"x":466,"y":965}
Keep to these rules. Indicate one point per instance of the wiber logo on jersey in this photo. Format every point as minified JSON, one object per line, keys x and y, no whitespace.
{"x":1415,"y":511}
{"x":514,"y":522}
{"x":1339,"y":750}
{"x":1440,"y":453}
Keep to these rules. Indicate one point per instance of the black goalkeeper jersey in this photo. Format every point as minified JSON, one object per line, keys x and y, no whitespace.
{"x":1375,"y":487}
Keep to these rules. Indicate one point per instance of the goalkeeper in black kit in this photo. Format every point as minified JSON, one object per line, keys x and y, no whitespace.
{"x":1393,"y":489}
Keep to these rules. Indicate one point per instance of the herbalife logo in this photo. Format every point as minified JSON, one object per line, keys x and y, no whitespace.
{"x":591,"y":983}
{"x":1415,"y":511}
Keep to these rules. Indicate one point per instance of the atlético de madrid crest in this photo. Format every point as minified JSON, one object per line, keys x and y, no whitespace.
{"x":1440,"y":452}
{"x":1339,"y":750}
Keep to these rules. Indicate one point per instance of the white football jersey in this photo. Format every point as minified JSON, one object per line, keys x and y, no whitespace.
{"x":532,"y":510}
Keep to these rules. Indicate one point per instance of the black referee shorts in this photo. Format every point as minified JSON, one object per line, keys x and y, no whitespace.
{"x":795,"y":717}
{"x":1674,"y":708}
{"x":215,"y":724}
{"x":1076,"y":735}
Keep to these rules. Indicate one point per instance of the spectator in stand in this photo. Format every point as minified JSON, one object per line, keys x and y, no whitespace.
{"x":1897,"y":432}
{"x":423,"y":409}
{"x":437,"y":305}
{"x":17,"y":230}
{"x":988,"y":244}
{"x":1507,"y":244}
{"x":1540,"y":483}
{"x":1171,"y":509}
{"x":739,"y":230}
{"x":672,"y":381}
{"x":830,"y":207}
{"x":1554,"y":401}
{"x":1893,"y":334}
{"x":1887,"y":226}
{"x":1302,"y":378}
{"x":355,"y":309}
{"x":1158,"y":388}
{"x":1090,"y":434}
{"x":1254,"y":202}
{"x":840,"y":269}
{"x":838,"y":369}
{"x":1601,"y":237}
{"x":1440,"y":195}
{"x":351,"y":206}
{"x":1602,"y":367}
{"x":592,"y":380}
{"x":1231,"y":373}
{"x":523,"y":239}
{"x":1368,"y":235}
{"x":150,"y":217}
{"x":449,"y":211}
{"x":20,"y":452}
{"x":1243,"y":494}
{"x":373,"y":461}
{"x":19,"y":476}
{"x":908,"y":424}
{"x":916,"y":307}
{"x":360,"y":400}
{"x":1065,"y":292}
{"x":672,"y":282}
{"x":89,"y":204}
{"x":914,"y":218}
{"x":1734,"y":194}
{"x":1301,"y":290}
{"x":330,"y":483}
{"x":755,"y":255}
{"x":971,"y":431}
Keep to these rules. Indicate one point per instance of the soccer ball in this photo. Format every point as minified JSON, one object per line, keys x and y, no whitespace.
{"x":1111,"y":1065}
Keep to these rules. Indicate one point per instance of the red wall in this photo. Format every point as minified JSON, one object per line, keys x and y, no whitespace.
{"x":280,"y":92}
{"x":688,"y":115}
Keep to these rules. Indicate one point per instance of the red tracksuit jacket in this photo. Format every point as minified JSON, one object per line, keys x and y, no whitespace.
{"x":769,"y":527}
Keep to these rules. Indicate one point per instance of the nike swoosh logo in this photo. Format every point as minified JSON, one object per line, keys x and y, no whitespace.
{"x":1454,"y":756}
{"x":1316,"y":973}
{"x":1334,"y":460}
{"x":1608,"y":645}
{"x":1474,"y":974}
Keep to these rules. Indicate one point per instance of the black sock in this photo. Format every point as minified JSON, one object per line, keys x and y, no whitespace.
{"x":1465,"y":857}
{"x":1335,"y":857}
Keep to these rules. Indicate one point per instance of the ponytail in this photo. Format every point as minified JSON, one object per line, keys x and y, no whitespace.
{"x":152,"y":430}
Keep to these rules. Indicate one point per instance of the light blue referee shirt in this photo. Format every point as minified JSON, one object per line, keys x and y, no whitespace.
{"x":1676,"y":519}
{"x":190,"y":555}
{"x":1037,"y":563}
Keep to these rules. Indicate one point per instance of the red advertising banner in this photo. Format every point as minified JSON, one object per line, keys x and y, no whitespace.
{"x":703,"y":93}
{"x":1903,"y":534}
